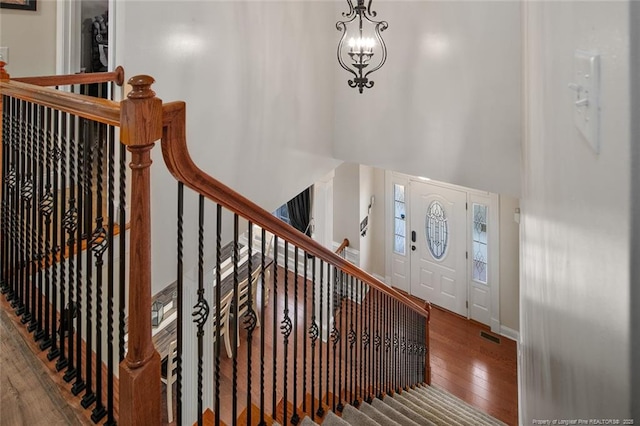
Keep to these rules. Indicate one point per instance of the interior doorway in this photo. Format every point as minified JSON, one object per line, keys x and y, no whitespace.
{"x":84,"y":33}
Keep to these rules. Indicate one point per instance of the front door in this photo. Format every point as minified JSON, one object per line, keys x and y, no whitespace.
{"x":438,"y":241}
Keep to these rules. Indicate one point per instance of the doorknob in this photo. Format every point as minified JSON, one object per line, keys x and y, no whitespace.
{"x":413,"y":236}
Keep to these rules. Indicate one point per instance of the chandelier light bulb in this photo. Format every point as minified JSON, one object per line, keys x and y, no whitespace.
{"x":361,"y":49}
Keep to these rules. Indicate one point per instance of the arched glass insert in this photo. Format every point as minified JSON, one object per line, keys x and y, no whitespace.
{"x":437,"y":229}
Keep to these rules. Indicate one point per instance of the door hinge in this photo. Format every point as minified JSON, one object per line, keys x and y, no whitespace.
{"x":466,"y":255}
{"x":466,"y":206}
{"x":467,"y":304}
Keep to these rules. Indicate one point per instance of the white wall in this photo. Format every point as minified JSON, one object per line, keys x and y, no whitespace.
{"x":364,"y":196}
{"x":30,"y":37}
{"x":377,"y":225}
{"x":574,"y":316}
{"x":509,"y":263}
{"x":346,"y":206}
{"x":447,"y":104}
{"x":635,"y":221}
{"x":259,"y":101}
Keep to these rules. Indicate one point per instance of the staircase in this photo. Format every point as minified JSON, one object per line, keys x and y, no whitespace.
{"x":423,"y":405}
{"x":300,"y":323}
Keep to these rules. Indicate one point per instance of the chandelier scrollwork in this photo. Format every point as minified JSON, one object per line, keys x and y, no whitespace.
{"x":358,"y":47}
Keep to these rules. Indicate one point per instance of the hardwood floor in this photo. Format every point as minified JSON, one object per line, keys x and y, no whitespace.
{"x":28,"y":396}
{"x":477,"y":370}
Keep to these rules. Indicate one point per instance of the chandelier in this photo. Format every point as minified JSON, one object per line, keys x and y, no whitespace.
{"x":359,"y":45}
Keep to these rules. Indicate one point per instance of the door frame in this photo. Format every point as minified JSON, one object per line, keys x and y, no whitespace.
{"x":392,"y":178}
{"x":68,"y":30}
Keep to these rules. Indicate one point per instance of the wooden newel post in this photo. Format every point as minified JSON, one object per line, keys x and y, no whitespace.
{"x":140,"y":388}
{"x":427,"y":369}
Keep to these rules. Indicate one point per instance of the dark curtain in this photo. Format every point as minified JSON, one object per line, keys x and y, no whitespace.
{"x":300,"y":211}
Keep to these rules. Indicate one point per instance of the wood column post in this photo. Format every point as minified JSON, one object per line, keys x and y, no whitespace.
{"x":427,"y":368}
{"x":140,"y":387}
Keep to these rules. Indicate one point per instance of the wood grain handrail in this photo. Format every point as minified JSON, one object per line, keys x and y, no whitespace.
{"x":344,"y":245}
{"x":91,"y":108}
{"x":116,"y":76}
{"x":182,"y":167}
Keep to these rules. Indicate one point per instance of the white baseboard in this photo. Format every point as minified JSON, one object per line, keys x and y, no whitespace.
{"x":510,"y":333}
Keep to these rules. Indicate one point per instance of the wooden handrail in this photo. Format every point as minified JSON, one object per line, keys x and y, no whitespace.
{"x":182,"y":167}
{"x":116,"y":76}
{"x":91,"y":108}
{"x":344,"y":245}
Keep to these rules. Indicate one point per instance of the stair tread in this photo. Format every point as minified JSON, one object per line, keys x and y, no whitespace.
{"x":390,"y":412}
{"x":356,"y":417}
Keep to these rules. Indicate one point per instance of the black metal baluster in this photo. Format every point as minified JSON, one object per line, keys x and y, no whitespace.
{"x":403,"y":347}
{"x":389,"y":365}
{"x":79,"y":384}
{"x":71,"y":224}
{"x":30,"y":199}
{"x":180,"y":303}
{"x":366,"y":343}
{"x":8,"y":175}
{"x":340,"y":317}
{"x":218,"y":296}
{"x":4,"y":263}
{"x":313,"y":334}
{"x":250,"y":317}
{"x":234,"y":309}
{"x":377,"y":343}
{"x":414,"y":364}
{"x":384,"y":366}
{"x":362,"y":357}
{"x":28,"y":196}
{"x":22,"y":307}
{"x":335,"y":338}
{"x":11,"y":185}
{"x":63,"y":320}
{"x":320,"y":411}
{"x":274,"y":297}
{"x":36,"y":244}
{"x":54,"y":159}
{"x":393,"y":365}
{"x":398,"y":323}
{"x":13,"y":182}
{"x":89,"y":396}
{"x":122,"y":238}
{"x":107,"y":236}
{"x":368,"y":346}
{"x":285,"y":328}
{"x":42,"y":291}
{"x":328,"y":328}
{"x":295,"y":418}
{"x":16,"y":237}
{"x":8,"y":182}
{"x":201,"y":308}
{"x":352,"y":341}
{"x":263,"y":295}
{"x":304,"y":336}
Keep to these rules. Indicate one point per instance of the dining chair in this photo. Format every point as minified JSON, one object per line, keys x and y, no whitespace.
{"x":168,"y":377}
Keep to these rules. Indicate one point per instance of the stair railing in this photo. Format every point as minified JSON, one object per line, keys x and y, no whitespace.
{"x":64,"y":227}
{"x":359,"y":338}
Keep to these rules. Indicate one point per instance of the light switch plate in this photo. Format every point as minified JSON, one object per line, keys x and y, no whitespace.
{"x":586,"y":107}
{"x":4,"y":51}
